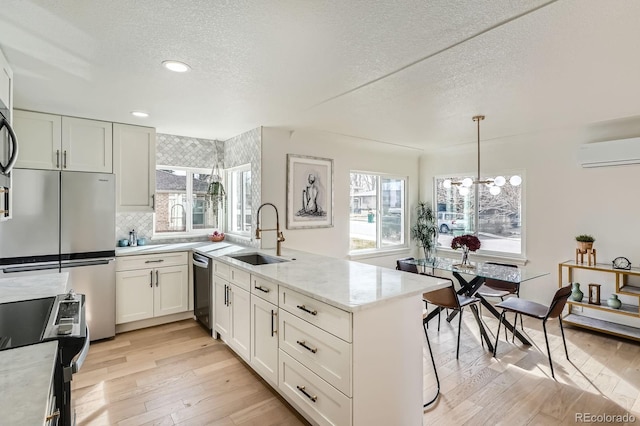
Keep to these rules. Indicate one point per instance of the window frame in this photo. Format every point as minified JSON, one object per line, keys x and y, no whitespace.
{"x":189,"y":230}
{"x":483,"y":254}
{"x":379,"y":249}
{"x":229,"y":203}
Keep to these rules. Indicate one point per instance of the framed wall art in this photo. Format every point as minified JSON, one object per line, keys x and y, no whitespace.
{"x":309,"y":192}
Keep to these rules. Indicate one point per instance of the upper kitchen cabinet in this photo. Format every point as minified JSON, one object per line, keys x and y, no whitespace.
{"x":53,"y":142}
{"x":6,"y":82}
{"x":134,"y":149}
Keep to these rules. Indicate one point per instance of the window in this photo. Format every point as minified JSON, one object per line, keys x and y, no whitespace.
{"x":239,"y":199}
{"x":499,"y":217}
{"x":378,"y":212}
{"x":181,"y":203}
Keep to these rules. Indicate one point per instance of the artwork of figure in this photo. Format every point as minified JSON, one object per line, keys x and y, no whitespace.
{"x":310,"y":197}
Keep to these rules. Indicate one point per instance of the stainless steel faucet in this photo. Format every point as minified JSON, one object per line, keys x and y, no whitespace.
{"x":280,"y":236}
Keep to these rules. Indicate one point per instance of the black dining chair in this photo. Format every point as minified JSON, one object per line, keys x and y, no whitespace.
{"x":403,"y":265}
{"x":540,"y":312}
{"x":447,"y":298}
{"x":493,"y":288}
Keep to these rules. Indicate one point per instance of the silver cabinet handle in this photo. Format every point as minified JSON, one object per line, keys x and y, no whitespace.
{"x":313,"y":398}
{"x":64,"y":161}
{"x":151,"y":280}
{"x":304,"y":308}
{"x":57,"y":158}
{"x":262,"y":289}
{"x":303,"y":343}
{"x":157,"y":279}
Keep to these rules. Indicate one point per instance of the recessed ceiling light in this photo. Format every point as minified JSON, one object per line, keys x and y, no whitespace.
{"x":141,"y":114}
{"x":176,"y":66}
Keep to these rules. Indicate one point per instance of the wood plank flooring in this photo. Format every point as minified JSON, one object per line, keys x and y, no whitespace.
{"x":175,"y":374}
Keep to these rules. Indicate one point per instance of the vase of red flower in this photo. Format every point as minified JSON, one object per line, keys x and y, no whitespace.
{"x":467,"y":243}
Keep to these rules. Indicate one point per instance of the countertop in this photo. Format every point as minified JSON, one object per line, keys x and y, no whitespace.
{"x":345,"y":284}
{"x":33,"y":287}
{"x":25,"y":380}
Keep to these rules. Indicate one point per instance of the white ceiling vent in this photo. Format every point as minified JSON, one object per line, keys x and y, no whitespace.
{"x":610,"y":153}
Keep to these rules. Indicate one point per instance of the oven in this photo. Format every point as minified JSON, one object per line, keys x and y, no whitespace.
{"x":202,"y":297}
{"x":60,"y":318}
{"x":8,"y":157}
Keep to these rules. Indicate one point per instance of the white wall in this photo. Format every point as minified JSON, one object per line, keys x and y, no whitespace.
{"x":348,"y":154}
{"x":562,"y":199}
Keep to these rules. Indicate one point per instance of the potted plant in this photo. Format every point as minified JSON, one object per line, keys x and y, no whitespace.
{"x":425,"y":230}
{"x":585,"y":242}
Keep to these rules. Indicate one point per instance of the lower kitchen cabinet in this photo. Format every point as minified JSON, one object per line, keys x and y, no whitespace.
{"x":264,"y":338}
{"x":232,"y":312}
{"x":152,"y":291}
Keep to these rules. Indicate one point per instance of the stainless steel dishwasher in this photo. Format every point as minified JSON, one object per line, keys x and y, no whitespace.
{"x":202,"y":291}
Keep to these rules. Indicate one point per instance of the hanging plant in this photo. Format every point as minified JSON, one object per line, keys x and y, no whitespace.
{"x":215,"y":192}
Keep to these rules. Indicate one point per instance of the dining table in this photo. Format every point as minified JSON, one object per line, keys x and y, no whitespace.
{"x":471,"y":277}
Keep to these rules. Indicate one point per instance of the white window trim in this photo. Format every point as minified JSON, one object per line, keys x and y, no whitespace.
{"x":202,"y":232}
{"x":486,"y":255}
{"x":383,"y":251}
{"x":244,"y":235}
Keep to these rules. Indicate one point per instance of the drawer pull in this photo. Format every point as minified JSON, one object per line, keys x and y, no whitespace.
{"x":313,"y":398}
{"x":273,"y":327}
{"x":304,"y":308}
{"x":303,"y":343}
{"x":53,"y":415}
{"x":154,"y":261}
{"x":262,"y":289}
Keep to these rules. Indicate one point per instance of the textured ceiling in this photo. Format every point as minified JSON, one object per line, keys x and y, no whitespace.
{"x":404,"y":72}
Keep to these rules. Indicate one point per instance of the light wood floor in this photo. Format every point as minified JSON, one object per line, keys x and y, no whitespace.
{"x":175,"y":374}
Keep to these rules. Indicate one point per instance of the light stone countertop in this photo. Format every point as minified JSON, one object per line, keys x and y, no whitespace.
{"x":345,"y":284}
{"x":25,"y":379}
{"x":33,"y":286}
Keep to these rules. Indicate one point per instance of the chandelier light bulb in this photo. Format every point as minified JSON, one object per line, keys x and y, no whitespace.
{"x":447,"y":183}
{"x":499,"y":181}
{"x":494,"y":190}
{"x":515,"y":180}
{"x":464,"y":191}
{"x":467,"y":182}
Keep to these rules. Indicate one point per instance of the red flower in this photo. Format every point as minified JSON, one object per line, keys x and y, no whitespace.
{"x":471,"y":241}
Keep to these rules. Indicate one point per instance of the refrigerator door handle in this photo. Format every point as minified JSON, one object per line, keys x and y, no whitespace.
{"x":80,"y":263}
{"x":29,"y":268}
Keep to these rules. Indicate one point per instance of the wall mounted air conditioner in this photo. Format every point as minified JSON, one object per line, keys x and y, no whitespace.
{"x":610,"y":153}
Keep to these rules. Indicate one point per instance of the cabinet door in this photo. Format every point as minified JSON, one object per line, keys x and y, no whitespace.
{"x":222,"y":311}
{"x":264,"y":338}
{"x":240,"y":332}
{"x":134,"y":295}
{"x":134,"y":154}
{"x":171,"y":290}
{"x":87,"y":145}
{"x":39,"y":136}
{"x":6,"y":82}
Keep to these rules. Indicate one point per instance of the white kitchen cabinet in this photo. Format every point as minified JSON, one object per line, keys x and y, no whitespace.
{"x":264,"y":338}
{"x":54,"y":142}
{"x":233,"y":312}
{"x":151,"y":286}
{"x":134,"y":163}
{"x":6,"y":82}
{"x":222,"y":310}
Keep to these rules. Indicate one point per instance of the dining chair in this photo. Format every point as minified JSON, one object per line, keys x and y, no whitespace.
{"x":425,"y":312}
{"x":403,"y":265}
{"x":447,"y":298}
{"x":537,"y":311}
{"x":497,"y":288}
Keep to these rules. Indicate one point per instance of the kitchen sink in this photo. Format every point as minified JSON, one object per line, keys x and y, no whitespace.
{"x":257,"y":259}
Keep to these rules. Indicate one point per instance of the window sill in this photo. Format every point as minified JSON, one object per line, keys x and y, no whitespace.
{"x":401,"y":251}
{"x":172,"y":236}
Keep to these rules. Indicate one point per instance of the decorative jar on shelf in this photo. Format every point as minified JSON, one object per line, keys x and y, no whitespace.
{"x":614,"y":302}
{"x":576,"y":294}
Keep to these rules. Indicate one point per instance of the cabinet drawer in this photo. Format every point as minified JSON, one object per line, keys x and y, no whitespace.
{"x":327,"y":317}
{"x":240,"y":277}
{"x":127,"y":263}
{"x":320,"y":400}
{"x":264,"y":289}
{"x":321,"y":352}
{"x":221,"y":269}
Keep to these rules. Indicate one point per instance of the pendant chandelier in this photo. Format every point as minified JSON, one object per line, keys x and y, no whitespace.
{"x":494,"y":184}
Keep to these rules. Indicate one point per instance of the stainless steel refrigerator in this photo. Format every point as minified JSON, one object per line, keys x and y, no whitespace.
{"x":65,"y":222}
